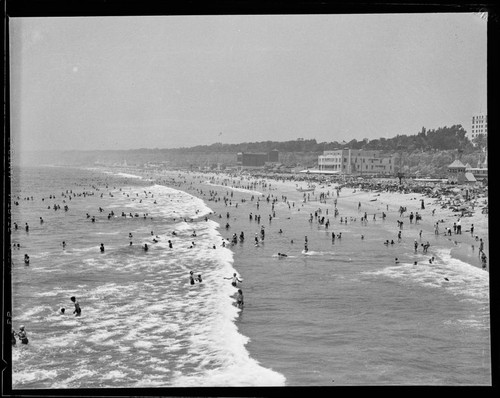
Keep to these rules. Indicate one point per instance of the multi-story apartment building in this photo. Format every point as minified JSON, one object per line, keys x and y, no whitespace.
{"x":479,"y":126}
{"x":357,"y":161}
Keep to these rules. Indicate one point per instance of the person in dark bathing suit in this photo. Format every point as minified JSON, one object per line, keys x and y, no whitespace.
{"x":22,"y":335}
{"x":78,"y":310}
{"x":239,"y":299}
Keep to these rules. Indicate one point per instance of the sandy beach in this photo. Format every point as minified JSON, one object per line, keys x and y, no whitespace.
{"x":372,"y":202}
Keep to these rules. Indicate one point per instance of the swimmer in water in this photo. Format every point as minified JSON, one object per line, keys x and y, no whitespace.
{"x":26,"y":259}
{"x":484,"y":260}
{"x":239,"y":299}
{"x":191,"y":278}
{"x":102,"y":248}
{"x":62,"y":310}
{"x":22,"y":335}
{"x":282,"y":255}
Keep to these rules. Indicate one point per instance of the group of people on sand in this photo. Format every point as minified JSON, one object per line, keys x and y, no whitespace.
{"x":414,"y":218}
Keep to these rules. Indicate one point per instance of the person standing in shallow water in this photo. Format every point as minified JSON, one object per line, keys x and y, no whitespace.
{"x":22,"y":335}
{"x":78,"y":310}
{"x":235,"y":280}
{"x":239,"y":299}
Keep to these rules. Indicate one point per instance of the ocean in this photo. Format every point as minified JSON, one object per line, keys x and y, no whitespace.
{"x":342,"y":313}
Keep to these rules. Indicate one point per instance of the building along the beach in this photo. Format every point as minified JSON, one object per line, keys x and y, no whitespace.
{"x":480,"y":172}
{"x":458,"y":173}
{"x":358,"y":162}
{"x":260,"y":159}
{"x":479,"y":126}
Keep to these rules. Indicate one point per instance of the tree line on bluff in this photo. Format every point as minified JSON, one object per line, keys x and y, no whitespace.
{"x":443,"y":138}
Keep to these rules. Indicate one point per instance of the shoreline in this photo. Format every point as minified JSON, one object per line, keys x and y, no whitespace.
{"x":373,"y":202}
{"x":248,"y":262}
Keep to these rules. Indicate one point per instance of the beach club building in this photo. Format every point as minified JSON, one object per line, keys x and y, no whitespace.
{"x":357,"y":162}
{"x":259,"y":159}
{"x":459,"y":174}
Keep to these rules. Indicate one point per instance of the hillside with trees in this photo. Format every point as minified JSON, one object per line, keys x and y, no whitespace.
{"x":443,"y":138}
{"x":427,"y":153}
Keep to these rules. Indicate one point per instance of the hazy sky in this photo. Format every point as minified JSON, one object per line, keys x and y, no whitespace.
{"x":173,"y":81}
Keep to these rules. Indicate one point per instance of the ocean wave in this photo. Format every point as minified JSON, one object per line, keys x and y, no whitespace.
{"x":249,"y":191}
{"x":140,"y":304}
{"x":29,"y":375}
{"x":446,"y":272}
{"x":159,"y":201}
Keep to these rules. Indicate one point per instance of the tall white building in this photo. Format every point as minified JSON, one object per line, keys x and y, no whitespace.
{"x":479,"y":126}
